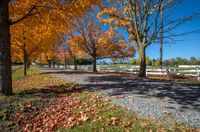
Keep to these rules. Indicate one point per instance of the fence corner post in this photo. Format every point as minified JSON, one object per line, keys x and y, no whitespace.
{"x":198,"y":76}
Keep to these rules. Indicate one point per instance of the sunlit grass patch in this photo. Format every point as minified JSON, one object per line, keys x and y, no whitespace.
{"x":17,"y":74}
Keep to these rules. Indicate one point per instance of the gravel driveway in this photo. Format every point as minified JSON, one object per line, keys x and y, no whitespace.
{"x":150,"y":98}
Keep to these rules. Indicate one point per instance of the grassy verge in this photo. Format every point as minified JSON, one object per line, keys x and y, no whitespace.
{"x":18,"y":74}
{"x":43,"y":102}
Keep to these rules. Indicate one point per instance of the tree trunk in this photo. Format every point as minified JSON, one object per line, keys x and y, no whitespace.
{"x":25,"y":62}
{"x":5,"y":53}
{"x":75,"y":64}
{"x":94,"y":63}
{"x":28,"y":63}
{"x":65,"y":65}
{"x":53,"y":63}
{"x":142,"y":70}
{"x":49,"y":63}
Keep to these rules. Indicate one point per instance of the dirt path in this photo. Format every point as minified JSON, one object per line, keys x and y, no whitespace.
{"x":151,"y":98}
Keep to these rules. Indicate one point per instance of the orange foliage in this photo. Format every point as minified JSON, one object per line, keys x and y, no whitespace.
{"x":47,"y":18}
{"x":98,"y":43}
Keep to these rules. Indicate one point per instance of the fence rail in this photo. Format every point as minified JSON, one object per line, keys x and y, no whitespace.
{"x":181,"y":70}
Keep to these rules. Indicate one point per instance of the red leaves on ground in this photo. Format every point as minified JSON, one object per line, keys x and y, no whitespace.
{"x":57,"y":115}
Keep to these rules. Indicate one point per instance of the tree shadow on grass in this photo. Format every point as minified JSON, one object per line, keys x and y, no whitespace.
{"x":38,"y":99}
{"x":68,"y":71}
{"x":57,"y":90}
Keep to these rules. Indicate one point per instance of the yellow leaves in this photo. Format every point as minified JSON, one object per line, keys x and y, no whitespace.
{"x":100,"y":16}
{"x":113,"y":16}
{"x":132,"y":37}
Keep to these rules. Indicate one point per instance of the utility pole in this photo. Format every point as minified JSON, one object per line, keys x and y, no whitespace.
{"x":161,"y":37}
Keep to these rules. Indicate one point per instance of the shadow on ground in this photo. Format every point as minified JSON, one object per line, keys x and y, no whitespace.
{"x":186,"y":95}
{"x":61,"y":71}
{"x":39,"y":99}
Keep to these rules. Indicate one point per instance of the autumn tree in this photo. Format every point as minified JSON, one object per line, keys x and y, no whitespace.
{"x":25,"y":37}
{"x":97,"y":43}
{"x":5,"y":55}
{"x":144,"y":22}
{"x":73,"y":50}
{"x":12,"y":12}
{"x":140,"y":18}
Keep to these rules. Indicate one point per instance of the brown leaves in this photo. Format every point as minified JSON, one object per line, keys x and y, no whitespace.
{"x":119,"y":97}
{"x":113,"y":121}
{"x":166,"y":112}
{"x":117,"y":122}
{"x":57,"y":115}
{"x":130,"y":98}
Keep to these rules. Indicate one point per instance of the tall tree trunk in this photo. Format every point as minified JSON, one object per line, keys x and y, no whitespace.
{"x":75,"y":63}
{"x":28,"y":63}
{"x":65,"y":65}
{"x":53,"y":63}
{"x":49,"y":63}
{"x":25,"y":62}
{"x":142,"y":70}
{"x":5,"y":53}
{"x":94,"y":63}
{"x":161,"y":39}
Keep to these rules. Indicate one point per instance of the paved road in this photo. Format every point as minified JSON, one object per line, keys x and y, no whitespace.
{"x":150,"y":98}
{"x":16,"y":67}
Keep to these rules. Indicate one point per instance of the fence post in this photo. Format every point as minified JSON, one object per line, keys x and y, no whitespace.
{"x":168,"y":70}
{"x":146,"y":72}
{"x":198,"y":74}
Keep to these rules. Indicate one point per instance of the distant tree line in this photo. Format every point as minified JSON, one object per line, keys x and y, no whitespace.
{"x":84,"y":61}
{"x":169,"y":62}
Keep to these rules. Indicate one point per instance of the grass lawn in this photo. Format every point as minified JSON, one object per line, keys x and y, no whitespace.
{"x":43,"y":102}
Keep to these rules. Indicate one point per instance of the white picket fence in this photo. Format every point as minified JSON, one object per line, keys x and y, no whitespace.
{"x":181,"y":70}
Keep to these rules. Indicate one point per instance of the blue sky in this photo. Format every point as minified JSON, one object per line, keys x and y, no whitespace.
{"x":188,"y":45}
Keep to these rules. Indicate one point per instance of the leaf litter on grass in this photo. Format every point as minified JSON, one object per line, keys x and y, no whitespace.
{"x":46,"y":103}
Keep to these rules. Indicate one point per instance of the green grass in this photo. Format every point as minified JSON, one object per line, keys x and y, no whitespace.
{"x":111,"y":118}
{"x":42,"y":91}
{"x":17,"y":74}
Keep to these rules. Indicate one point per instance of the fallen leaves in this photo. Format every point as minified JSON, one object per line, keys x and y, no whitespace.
{"x":57,"y":115}
{"x":166,"y":112}
{"x":54,"y":104}
{"x":144,"y":124}
{"x":38,"y":82}
{"x":113,"y":121}
{"x":119,"y":97}
{"x":130,"y":98}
